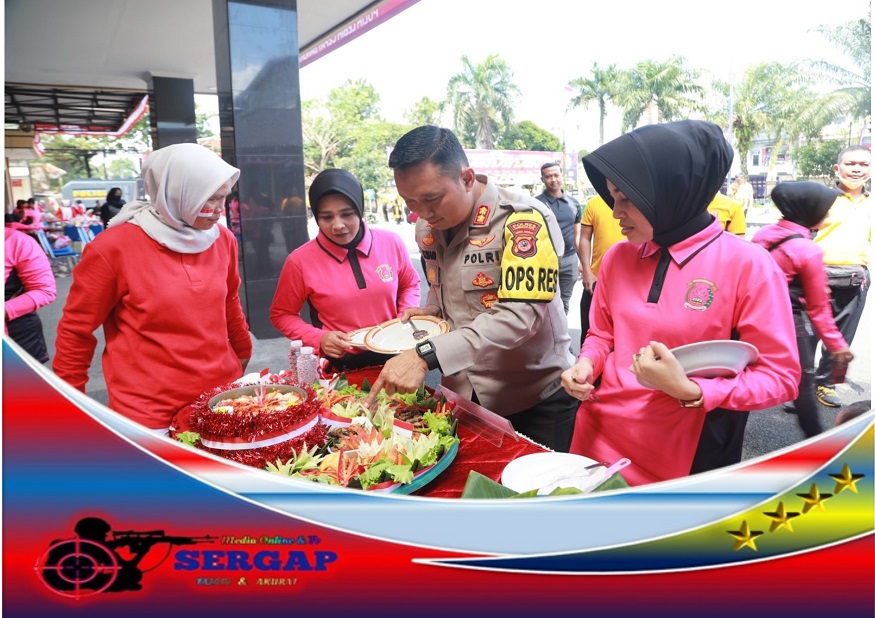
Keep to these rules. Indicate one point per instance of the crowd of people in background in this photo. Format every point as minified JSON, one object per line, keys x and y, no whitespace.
{"x":660,"y":251}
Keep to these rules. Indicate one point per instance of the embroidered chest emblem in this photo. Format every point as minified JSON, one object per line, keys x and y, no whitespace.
{"x":384,"y":272}
{"x":428,"y":241}
{"x":482,"y":216}
{"x":700,"y":294}
{"x":488,"y":299}
{"x":481,"y":242}
{"x":483,"y":281}
{"x":525,"y":243}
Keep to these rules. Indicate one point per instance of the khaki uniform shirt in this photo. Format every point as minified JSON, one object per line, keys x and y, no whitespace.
{"x":496,"y":284}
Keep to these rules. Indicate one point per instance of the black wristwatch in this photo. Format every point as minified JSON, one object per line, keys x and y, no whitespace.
{"x":426,"y":352}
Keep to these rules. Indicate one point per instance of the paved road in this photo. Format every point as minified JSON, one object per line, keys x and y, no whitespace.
{"x":767,"y":430}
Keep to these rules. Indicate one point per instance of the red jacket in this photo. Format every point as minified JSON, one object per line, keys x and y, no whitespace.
{"x":173,"y":323}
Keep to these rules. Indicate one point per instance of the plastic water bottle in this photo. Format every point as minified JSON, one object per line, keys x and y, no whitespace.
{"x":294,"y":352}
{"x":307,"y":366}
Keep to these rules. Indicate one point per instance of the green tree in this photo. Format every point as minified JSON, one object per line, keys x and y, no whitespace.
{"x":425,"y":111}
{"x":663,"y":91}
{"x":600,"y":87}
{"x":815,"y":159}
{"x":75,"y":153}
{"x":352,"y":107}
{"x":771,"y":99}
{"x":369,"y":159}
{"x":321,"y":137}
{"x":121,"y":168}
{"x":204,"y":124}
{"x":481,"y":98}
{"x":716,"y":103}
{"x":333,"y":128}
{"x":854,"y":96}
{"x":526,"y":135}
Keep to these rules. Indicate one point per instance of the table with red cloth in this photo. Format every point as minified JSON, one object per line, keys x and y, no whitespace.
{"x":479,"y":454}
{"x":476,"y":451}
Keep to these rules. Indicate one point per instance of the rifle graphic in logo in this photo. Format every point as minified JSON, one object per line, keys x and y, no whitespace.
{"x":89,"y":564}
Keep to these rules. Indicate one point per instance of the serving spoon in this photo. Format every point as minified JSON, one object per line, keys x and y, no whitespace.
{"x":418,"y":333}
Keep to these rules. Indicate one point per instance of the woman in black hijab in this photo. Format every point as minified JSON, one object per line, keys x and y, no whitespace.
{"x":679,"y":280}
{"x":805,"y":206}
{"x":350,"y":277}
{"x":112,"y":206}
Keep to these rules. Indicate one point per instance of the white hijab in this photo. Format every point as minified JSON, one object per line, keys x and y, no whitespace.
{"x":179,"y":180}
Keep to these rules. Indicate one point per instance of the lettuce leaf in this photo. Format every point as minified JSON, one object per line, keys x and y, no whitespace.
{"x":438,"y":423}
{"x":190,"y":438}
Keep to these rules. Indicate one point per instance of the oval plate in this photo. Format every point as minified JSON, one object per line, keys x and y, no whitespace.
{"x":713,"y":359}
{"x":541,"y":469}
{"x":358,"y":337}
{"x":253,"y":391}
{"x":395,"y":336}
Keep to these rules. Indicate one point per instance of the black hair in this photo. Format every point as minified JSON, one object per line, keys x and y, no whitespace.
{"x":429,"y":144}
{"x":549,"y":165}
{"x":853,"y":411}
{"x":853,"y":148}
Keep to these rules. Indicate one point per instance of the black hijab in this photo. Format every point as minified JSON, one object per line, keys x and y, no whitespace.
{"x":804,"y":202}
{"x":669,"y":171}
{"x":114,"y":197}
{"x":340,"y":181}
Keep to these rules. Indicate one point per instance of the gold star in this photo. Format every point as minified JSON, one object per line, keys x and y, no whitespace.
{"x":781,"y":518}
{"x":846,"y":480}
{"x":814,"y":499}
{"x":745,"y":536}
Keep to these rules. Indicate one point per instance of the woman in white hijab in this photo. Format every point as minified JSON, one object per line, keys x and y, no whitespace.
{"x":163,"y":282}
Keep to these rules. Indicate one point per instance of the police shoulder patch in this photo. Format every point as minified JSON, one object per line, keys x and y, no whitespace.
{"x":529,"y":264}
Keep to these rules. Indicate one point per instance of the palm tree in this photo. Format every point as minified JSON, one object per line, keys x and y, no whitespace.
{"x":598,"y":88}
{"x":665,"y":91}
{"x":481,"y":100}
{"x":771,"y":99}
{"x":854,"y":97}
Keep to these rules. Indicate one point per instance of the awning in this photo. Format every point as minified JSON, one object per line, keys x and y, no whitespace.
{"x":73,"y":110}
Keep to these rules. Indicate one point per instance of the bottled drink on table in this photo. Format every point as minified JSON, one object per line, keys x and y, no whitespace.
{"x":308,"y":366}
{"x":294,"y":351}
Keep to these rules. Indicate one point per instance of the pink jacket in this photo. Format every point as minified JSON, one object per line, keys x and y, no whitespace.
{"x":802,"y":256}
{"x":24,"y":254}
{"x":319,"y":273}
{"x":717,"y":284}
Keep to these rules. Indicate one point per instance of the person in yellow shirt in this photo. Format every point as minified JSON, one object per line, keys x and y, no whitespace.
{"x":598,"y":232}
{"x":846,"y":241}
{"x":730,"y":213}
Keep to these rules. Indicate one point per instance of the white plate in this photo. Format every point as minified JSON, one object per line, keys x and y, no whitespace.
{"x":548,"y":471}
{"x":713,"y":359}
{"x":396,"y":336}
{"x":358,"y":337}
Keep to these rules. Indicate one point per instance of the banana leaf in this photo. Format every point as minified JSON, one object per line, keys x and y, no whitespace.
{"x":479,"y":487}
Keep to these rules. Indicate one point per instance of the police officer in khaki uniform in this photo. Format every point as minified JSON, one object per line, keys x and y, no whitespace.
{"x":492,"y":263}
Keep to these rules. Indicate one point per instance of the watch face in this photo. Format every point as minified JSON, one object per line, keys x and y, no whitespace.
{"x":425,"y":347}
